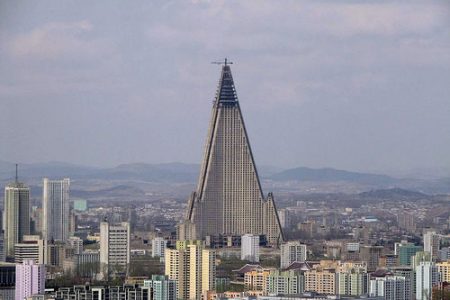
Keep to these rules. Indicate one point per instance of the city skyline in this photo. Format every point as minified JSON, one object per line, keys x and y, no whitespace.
{"x":317,"y":166}
{"x":350,"y":85}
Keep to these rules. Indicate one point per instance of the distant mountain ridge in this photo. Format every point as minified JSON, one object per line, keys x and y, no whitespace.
{"x":167,"y":172}
{"x":164,"y":172}
{"x":40,"y":170}
{"x":397,"y":193}
{"x":175,"y":173}
{"x":329,"y":175}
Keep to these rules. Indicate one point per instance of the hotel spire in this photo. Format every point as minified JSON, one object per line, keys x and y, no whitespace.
{"x":229,"y":199}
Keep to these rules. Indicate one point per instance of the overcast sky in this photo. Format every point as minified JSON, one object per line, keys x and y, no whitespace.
{"x":356,"y":85}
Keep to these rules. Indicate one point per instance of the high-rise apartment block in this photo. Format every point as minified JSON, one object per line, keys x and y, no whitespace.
{"x":405,"y":252}
{"x":406,"y":221}
{"x":76,"y":244}
{"x":352,"y":279}
{"x":229,"y":200}
{"x":30,"y":279}
{"x":427,"y":276}
{"x":56,"y":210}
{"x":371,"y":255}
{"x":193,"y":268}
{"x":390,"y":287}
{"x":408,"y":273}
{"x":285,"y":217}
{"x":431,"y":243}
{"x":250,"y":247}
{"x":444,"y":271}
{"x":56,"y":253}
{"x":114,"y":248}
{"x":292,"y":251}
{"x":257,"y":279}
{"x":444,"y":253}
{"x":37,"y":220}
{"x":289,"y":282}
{"x":419,"y":257}
{"x":158,"y":247}
{"x":321,"y":280}
{"x":16,"y":218}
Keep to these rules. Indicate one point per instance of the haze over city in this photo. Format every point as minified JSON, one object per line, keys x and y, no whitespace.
{"x":352,"y":85}
{"x":225,"y":150}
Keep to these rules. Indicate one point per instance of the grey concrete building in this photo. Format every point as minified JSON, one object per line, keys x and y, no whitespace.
{"x":56,"y":209}
{"x":16,"y":218}
{"x":229,"y":199}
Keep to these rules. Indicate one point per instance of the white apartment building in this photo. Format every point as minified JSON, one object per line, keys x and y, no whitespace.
{"x":76,"y":244}
{"x":158,"y":247}
{"x":427,"y":276}
{"x":292,"y":251}
{"x":390,"y":288}
{"x":114,"y":247}
{"x":31,"y":248}
{"x":56,"y":210}
{"x":30,"y":279}
{"x":431,"y":243}
{"x":250,"y":247}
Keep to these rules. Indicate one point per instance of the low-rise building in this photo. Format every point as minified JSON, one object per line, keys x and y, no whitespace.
{"x":86,"y":292}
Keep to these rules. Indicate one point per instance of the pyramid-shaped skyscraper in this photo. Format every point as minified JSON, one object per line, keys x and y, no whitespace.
{"x":229,"y":200}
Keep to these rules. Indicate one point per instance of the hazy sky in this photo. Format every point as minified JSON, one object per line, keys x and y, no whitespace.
{"x":358,"y":85}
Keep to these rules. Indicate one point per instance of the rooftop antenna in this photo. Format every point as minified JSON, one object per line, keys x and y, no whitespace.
{"x":17,"y":173}
{"x":225,"y":62}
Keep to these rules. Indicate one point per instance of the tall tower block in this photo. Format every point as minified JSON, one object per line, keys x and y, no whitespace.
{"x":16,"y":215}
{"x":229,"y":199}
{"x":56,"y":209}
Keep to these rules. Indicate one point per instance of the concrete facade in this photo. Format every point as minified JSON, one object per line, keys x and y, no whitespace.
{"x":229,"y":199}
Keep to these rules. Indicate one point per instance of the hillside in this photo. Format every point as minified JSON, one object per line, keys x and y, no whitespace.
{"x":331,"y":175}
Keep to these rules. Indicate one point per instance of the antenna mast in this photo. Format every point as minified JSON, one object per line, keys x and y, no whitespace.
{"x":225,"y":62}
{"x":17,"y":173}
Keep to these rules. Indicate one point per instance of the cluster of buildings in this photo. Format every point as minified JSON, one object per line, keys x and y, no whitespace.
{"x":410,"y":273}
{"x":37,"y":255}
{"x":228,"y":210}
{"x":351,"y":268}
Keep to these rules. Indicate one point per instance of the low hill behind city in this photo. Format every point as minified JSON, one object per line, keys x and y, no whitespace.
{"x":300,"y":179}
